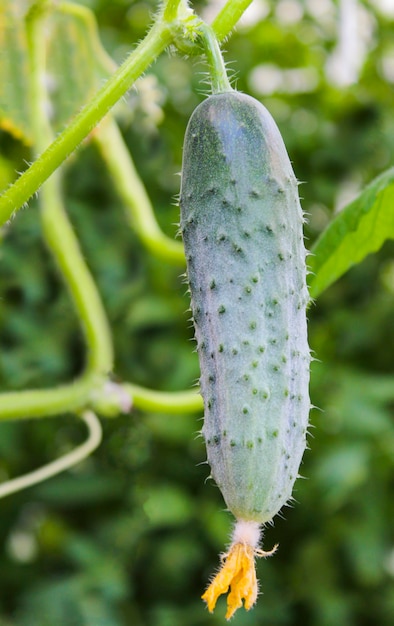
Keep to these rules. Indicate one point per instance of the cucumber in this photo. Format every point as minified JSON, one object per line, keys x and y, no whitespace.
{"x":241,"y":222}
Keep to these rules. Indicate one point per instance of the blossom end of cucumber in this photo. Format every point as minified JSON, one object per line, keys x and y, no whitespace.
{"x":237,"y":572}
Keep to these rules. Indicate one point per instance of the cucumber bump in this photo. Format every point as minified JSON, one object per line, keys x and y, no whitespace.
{"x":241,"y":222}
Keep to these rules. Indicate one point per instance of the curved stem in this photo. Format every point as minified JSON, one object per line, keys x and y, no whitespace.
{"x":64,"y":246}
{"x":58,"y":232}
{"x":158,"y":38}
{"x":219,"y":78}
{"x":64,"y":462}
{"x":128,"y":184}
{"x":162,"y":401}
{"x":228,"y":17}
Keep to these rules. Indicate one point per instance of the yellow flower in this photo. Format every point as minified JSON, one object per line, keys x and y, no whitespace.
{"x":238,"y":574}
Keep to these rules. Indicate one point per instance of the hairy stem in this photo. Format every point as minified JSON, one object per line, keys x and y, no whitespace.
{"x":217,"y":69}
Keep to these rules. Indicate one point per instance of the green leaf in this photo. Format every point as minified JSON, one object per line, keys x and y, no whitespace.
{"x":14,"y":107}
{"x":361,"y":228}
{"x":77,"y":62}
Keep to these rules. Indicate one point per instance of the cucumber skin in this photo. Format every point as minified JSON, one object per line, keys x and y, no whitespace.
{"x":241,"y":222}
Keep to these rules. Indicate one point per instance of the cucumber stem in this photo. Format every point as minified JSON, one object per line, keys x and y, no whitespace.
{"x":217,"y":68}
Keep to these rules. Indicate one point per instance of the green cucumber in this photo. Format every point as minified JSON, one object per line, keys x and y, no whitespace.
{"x":241,"y":223}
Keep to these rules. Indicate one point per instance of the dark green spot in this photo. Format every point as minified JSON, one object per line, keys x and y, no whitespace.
{"x":222,"y":309}
{"x":255,"y":364}
{"x":221,"y":347}
{"x":249,"y":444}
{"x":248,"y":289}
{"x":261,"y":349}
{"x":260,"y":439}
{"x":255,"y":279}
{"x":212,"y":284}
{"x":216,"y":440}
{"x":232,"y":443}
{"x":252,"y":325}
{"x":245,"y":409}
{"x":246,"y":377}
{"x":234,"y":351}
{"x":255,"y":392}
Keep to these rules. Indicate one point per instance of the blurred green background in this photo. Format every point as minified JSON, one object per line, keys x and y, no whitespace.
{"x":130,"y":536}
